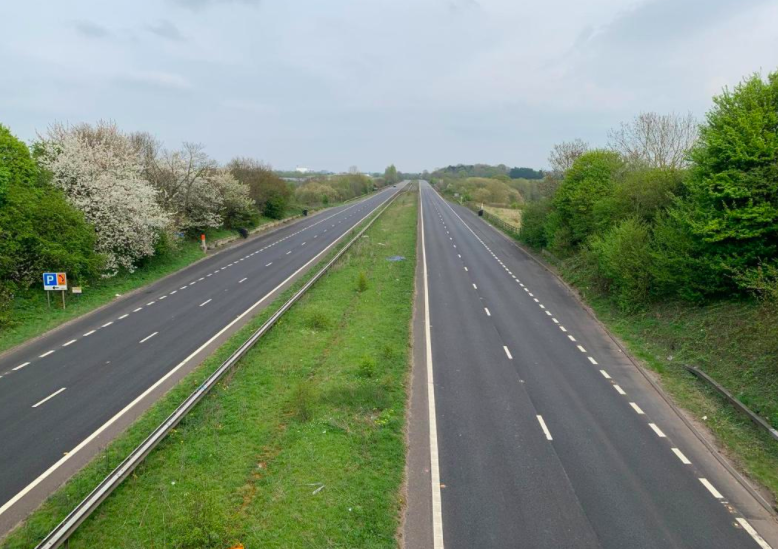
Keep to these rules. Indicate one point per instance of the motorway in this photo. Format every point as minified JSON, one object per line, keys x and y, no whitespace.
{"x":541,"y":433}
{"x":68,"y":392}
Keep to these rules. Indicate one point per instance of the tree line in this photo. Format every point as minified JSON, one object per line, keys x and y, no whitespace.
{"x":94,"y":201}
{"x":671,"y":208}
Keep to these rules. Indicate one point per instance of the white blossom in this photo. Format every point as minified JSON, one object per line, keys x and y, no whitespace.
{"x":100,"y":172}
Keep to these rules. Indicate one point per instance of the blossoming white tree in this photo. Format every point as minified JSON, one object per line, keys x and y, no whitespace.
{"x":237,"y":205}
{"x":99,"y":170}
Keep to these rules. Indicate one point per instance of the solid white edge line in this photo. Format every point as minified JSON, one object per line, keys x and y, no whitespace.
{"x":24,"y":491}
{"x":545,"y":429}
{"x":682,"y":457}
{"x":712,"y":489}
{"x":753,"y":533}
{"x":52,"y":395}
{"x":437,"y":513}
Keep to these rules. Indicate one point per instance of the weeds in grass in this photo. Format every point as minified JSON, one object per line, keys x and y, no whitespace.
{"x":362,"y":282}
{"x":318,"y":320}
{"x":367,"y":367}
{"x":302,"y":402}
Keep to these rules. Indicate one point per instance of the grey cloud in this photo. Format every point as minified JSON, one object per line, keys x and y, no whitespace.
{"x":199,"y":4}
{"x":164,"y":28}
{"x":91,"y":30}
{"x":662,"y":20}
{"x":156,"y":80}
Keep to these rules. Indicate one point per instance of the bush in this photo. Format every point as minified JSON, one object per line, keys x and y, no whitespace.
{"x":623,"y":258}
{"x":733,"y":191}
{"x":590,"y":179}
{"x":362,"y":282}
{"x":533,"y":223}
{"x":39,"y":230}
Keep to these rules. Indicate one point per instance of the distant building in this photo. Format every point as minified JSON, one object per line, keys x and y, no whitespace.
{"x":300,"y":169}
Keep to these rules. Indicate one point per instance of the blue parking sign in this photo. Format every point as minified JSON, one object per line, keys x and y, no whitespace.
{"x":55,"y":281}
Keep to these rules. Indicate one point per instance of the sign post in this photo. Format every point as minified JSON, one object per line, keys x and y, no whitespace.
{"x":203,"y":245}
{"x":55,"y":282}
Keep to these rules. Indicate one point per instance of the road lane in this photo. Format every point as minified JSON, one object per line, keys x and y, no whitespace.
{"x":106,"y":359}
{"x":570,"y":394}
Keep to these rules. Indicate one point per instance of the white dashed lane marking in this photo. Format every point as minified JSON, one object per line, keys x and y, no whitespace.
{"x":90,"y":332}
{"x":507,"y":352}
{"x":47,"y":353}
{"x":637,"y":408}
{"x":682,"y":457}
{"x":20,"y":366}
{"x":487,"y":312}
{"x":148,"y":337}
{"x":545,"y":429}
{"x":124,"y":316}
{"x":106,"y":324}
{"x":71,"y":342}
{"x":52,"y":395}
{"x":716,"y":494}
{"x":205,"y":302}
{"x":657,"y":430}
{"x":619,"y":389}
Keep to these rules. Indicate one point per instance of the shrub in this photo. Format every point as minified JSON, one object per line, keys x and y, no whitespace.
{"x":39,"y":230}
{"x":533,"y":223}
{"x":590,"y":178}
{"x":733,"y":190}
{"x":362,"y":282}
{"x":623,"y":259}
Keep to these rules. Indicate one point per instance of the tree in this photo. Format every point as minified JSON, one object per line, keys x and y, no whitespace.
{"x":564,"y":154}
{"x":39,"y":230}
{"x":732,"y":200}
{"x":98,"y":169}
{"x":587,"y":181}
{"x":525,"y":173}
{"x":655,"y":140}
{"x":237,"y":207}
{"x":270,"y":193}
{"x":390,"y":175}
{"x":183,"y":179}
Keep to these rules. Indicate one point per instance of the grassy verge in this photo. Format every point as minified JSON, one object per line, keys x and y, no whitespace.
{"x":301,"y":446}
{"x":736,"y":342}
{"x":511,"y":216}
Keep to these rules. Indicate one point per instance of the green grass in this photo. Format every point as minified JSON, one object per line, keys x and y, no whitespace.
{"x":32,"y":316}
{"x":317,"y":406}
{"x":735,"y":342}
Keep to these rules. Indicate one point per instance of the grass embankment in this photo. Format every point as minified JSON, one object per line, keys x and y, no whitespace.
{"x":511,"y":216}
{"x":301,"y":446}
{"x":735,"y":342}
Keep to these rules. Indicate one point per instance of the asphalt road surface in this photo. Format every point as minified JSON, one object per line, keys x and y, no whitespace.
{"x":62,"y":391}
{"x":546,"y":435}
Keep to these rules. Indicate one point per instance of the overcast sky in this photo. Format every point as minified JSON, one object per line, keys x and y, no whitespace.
{"x":330,"y":84}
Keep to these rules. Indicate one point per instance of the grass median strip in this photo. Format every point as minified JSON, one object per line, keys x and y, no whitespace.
{"x":301,"y":445}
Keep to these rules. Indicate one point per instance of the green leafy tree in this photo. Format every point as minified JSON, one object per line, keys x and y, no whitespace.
{"x":589,"y":180}
{"x":39,"y":230}
{"x":390,"y":175}
{"x":732,"y":200}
